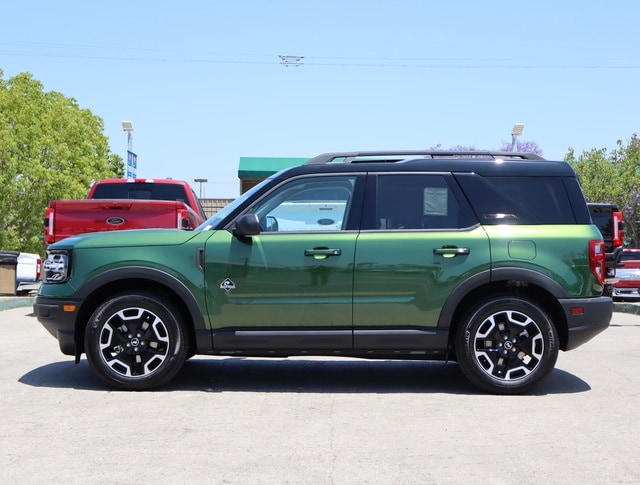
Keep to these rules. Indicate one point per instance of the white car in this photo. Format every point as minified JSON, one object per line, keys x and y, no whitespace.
{"x":28,"y":271}
{"x":28,"y":268}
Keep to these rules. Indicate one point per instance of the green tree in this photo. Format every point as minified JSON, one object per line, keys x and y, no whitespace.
{"x":613,"y":176}
{"x":50,"y":149}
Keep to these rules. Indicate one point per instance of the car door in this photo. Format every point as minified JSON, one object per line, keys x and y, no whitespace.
{"x":291,"y":286}
{"x":420,"y":240}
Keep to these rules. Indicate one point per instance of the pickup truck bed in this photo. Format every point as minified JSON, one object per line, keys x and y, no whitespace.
{"x":66,"y":218}
{"x":117,"y":204}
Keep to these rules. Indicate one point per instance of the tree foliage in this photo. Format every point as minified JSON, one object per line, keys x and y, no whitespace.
{"x":50,"y":149}
{"x":524,"y":146}
{"x":614,"y":177}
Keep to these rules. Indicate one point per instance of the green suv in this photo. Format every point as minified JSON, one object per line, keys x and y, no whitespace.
{"x":488,"y":259}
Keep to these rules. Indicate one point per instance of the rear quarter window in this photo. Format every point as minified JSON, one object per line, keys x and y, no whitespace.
{"x":518,"y":200}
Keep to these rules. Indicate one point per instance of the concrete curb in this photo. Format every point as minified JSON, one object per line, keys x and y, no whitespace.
{"x":9,"y":302}
{"x":632,"y":308}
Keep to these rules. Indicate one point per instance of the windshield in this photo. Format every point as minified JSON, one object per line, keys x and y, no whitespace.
{"x":214,"y":221}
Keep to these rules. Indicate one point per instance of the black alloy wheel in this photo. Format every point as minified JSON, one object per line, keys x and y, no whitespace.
{"x":507,"y":345}
{"x":135,"y":342}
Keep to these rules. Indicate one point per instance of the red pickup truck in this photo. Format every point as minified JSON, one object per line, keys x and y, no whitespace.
{"x":609,"y":220}
{"x":117,"y":204}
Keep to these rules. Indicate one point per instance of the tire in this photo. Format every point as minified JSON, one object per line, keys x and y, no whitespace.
{"x":506,"y":345}
{"x":135,"y":342}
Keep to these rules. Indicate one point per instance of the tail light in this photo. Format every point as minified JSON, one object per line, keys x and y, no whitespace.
{"x":597,"y":259}
{"x":183,"y":219}
{"x":618,"y":229}
{"x":49,"y":236}
{"x":38,"y":269}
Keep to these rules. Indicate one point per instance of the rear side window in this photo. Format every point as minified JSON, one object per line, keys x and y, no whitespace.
{"x":417,"y":201}
{"x":518,"y":200}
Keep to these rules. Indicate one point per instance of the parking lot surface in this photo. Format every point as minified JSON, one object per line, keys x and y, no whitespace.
{"x":316,"y":420}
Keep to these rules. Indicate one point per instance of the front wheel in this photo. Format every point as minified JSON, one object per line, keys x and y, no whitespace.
{"x":506,"y":345}
{"x":135,"y":342}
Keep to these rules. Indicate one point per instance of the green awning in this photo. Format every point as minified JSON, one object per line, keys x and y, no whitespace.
{"x":263,"y":167}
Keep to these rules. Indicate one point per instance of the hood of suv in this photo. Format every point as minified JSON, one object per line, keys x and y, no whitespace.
{"x":127,"y":238}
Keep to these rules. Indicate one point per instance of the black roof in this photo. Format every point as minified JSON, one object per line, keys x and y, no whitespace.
{"x":483,"y":163}
{"x":392,"y":156}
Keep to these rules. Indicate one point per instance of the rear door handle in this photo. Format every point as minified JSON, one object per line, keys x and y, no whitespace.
{"x":451,"y":251}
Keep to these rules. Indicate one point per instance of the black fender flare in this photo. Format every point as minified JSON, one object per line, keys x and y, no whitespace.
{"x":492,"y":276}
{"x":157,"y":276}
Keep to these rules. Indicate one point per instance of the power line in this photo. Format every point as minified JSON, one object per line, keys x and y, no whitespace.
{"x":32,"y":49}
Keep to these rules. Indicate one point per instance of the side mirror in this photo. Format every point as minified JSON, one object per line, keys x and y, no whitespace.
{"x":247,"y":225}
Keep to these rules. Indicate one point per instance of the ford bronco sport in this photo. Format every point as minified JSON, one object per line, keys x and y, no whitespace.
{"x":489,"y":259}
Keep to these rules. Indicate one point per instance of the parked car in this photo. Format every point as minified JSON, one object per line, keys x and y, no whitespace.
{"x":488,"y":259}
{"x":631,"y":257}
{"x":28,"y":272}
{"x":27,"y":268}
{"x":627,"y":286}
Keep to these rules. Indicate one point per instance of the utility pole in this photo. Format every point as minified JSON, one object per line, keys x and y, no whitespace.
{"x":200,"y":181}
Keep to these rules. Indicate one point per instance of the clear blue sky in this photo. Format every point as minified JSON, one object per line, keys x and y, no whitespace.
{"x":203,"y":84}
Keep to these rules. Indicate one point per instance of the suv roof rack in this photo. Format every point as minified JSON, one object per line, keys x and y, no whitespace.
{"x":394,"y":156}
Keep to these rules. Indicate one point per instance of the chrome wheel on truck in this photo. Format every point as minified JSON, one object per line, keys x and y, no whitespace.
{"x":135,"y":342}
{"x":507,"y":345}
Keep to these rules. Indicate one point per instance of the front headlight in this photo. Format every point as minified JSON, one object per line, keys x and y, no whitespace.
{"x":56,"y":267}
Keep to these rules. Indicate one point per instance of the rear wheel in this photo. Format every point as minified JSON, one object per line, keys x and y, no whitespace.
{"x":135,"y":342}
{"x":506,"y":345}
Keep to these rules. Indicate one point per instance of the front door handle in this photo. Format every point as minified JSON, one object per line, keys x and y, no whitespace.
{"x":451,"y":251}
{"x":322,"y":253}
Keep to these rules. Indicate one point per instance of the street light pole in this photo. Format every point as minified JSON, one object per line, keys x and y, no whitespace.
{"x":200,"y":181}
{"x":515,"y":133}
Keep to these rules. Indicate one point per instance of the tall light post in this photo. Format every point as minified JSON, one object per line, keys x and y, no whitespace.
{"x":132,"y":158}
{"x":515,"y":133}
{"x":200,"y":181}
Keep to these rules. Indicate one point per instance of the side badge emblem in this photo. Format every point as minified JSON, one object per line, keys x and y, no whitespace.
{"x":228,"y":285}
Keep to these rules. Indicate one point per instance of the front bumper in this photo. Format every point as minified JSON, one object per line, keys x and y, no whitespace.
{"x":586,"y":318}
{"x":59,"y":318}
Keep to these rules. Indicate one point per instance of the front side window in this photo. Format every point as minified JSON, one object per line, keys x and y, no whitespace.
{"x":307,"y":204}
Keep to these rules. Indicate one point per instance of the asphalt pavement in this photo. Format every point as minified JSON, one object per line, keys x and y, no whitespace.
{"x":317,"y":420}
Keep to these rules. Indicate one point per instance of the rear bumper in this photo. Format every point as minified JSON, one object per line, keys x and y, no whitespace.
{"x":593,"y":318}
{"x":54,"y":315}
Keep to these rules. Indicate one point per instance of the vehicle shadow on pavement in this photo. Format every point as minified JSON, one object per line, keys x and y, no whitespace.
{"x":238,"y":374}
